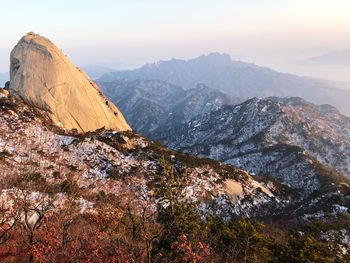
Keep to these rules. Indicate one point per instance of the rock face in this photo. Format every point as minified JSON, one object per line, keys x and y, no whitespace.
{"x":44,"y":77}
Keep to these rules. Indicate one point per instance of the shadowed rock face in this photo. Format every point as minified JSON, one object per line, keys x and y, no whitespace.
{"x":44,"y":77}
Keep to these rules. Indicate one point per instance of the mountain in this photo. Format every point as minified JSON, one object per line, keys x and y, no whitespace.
{"x":61,"y":186}
{"x":296,"y":142}
{"x":119,"y":163}
{"x":96,"y":71}
{"x":151,"y":104}
{"x":238,"y":79}
{"x":44,"y":77}
{"x":111,"y":195}
{"x":67,"y":166}
{"x":56,"y":180}
{"x":3,"y":78}
{"x":299,"y":144}
{"x":336,"y":58}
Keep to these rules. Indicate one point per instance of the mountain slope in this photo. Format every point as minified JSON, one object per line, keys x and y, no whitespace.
{"x":289,"y":139}
{"x":150,"y":105}
{"x":238,"y":79}
{"x":121,"y":164}
{"x":67,"y":191}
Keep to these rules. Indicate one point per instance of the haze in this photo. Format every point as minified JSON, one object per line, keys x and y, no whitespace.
{"x":126,"y":34}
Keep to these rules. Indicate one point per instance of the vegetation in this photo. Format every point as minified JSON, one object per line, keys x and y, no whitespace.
{"x":35,"y":229}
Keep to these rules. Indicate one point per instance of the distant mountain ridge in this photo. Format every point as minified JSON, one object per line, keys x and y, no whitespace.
{"x":237,"y":79}
{"x":96,"y":71}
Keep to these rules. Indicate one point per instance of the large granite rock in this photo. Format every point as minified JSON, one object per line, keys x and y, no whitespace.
{"x":44,"y":77}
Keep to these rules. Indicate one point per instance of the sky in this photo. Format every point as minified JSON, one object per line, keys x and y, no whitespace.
{"x":128,"y":33}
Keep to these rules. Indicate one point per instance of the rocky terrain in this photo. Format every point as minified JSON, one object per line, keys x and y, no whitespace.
{"x":300,"y":145}
{"x":151,"y":104}
{"x":122,"y":164}
{"x":303,"y":146}
{"x":54,"y":163}
{"x":294,"y":141}
{"x":238,"y":79}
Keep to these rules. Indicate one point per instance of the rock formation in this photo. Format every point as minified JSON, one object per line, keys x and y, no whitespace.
{"x":44,"y":77}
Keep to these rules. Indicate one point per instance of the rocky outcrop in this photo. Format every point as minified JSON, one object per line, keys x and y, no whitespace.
{"x":44,"y":77}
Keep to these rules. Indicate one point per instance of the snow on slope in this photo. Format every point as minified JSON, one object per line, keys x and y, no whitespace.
{"x":121,"y":164}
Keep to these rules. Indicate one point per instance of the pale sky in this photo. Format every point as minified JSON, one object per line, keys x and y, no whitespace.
{"x":128,"y":33}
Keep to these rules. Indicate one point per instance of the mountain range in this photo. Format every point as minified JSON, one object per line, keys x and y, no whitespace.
{"x":237,"y":79}
{"x":288,"y":139}
{"x":79,"y":182}
{"x":61,"y":144}
{"x":95,"y":71}
{"x":121,"y":163}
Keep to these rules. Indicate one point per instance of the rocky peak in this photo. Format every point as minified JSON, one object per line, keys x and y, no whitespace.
{"x":215,"y":59}
{"x":44,"y":77}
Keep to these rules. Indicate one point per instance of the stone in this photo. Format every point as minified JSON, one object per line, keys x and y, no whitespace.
{"x":44,"y":77}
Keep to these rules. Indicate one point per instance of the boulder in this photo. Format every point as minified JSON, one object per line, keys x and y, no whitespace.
{"x":45,"y":78}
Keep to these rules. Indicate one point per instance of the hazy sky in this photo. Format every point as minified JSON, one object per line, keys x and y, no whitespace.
{"x":128,"y":33}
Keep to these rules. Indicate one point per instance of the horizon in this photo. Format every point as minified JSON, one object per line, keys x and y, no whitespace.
{"x":149,"y":31}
